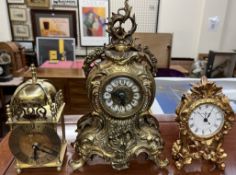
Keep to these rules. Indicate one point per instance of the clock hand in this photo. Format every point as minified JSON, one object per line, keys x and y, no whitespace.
{"x":49,"y":151}
{"x":210,"y":112}
{"x":121,"y":97}
{"x":37,"y":148}
{"x":201,"y":115}
{"x":205,"y":119}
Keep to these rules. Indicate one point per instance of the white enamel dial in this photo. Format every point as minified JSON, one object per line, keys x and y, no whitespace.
{"x":206,"y":120}
{"x":121,"y":96}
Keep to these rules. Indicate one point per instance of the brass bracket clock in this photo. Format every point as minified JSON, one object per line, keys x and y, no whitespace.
{"x":35,"y":110}
{"x":121,"y":88}
{"x":204,"y":117}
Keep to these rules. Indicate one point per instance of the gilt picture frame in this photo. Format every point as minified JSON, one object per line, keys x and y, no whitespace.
{"x":38,"y":3}
{"x":54,"y":23}
{"x":16,"y":1}
{"x":93,"y":16}
{"x":20,"y":31}
{"x":18,"y":14}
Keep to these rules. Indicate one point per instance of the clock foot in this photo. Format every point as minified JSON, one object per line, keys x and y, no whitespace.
{"x":120,"y":165}
{"x":160,"y":163}
{"x":221,"y":166}
{"x":18,"y":170}
{"x":59,"y":168}
{"x":77,"y":164}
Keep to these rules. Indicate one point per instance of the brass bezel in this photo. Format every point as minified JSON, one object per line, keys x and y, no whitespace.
{"x":108,"y":79}
{"x":201,"y":102}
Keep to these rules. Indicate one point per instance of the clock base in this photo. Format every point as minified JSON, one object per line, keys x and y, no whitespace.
{"x":118,"y":141}
{"x":183,"y":155}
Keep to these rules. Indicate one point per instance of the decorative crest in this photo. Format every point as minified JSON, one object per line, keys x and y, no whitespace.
{"x":205,"y":88}
{"x":115,"y":29}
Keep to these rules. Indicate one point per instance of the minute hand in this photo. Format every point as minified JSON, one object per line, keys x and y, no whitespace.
{"x":210,"y":113}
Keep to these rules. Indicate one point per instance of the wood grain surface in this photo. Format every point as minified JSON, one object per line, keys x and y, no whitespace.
{"x":139,"y":166}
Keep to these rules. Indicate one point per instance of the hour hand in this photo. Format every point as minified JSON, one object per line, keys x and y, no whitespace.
{"x":48,"y":151}
{"x":35,"y":149}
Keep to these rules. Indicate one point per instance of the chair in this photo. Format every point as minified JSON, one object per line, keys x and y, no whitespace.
{"x":160,"y":45}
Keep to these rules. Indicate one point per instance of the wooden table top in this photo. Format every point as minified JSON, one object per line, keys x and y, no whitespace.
{"x":57,"y":73}
{"x":139,"y":166}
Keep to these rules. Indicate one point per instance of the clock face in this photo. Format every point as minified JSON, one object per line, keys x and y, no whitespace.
{"x":121,"y":96}
{"x":35,"y":145}
{"x":206,"y":120}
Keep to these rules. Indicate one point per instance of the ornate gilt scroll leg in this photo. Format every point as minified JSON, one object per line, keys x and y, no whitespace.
{"x":120,"y":165}
{"x":181,"y":155}
{"x":77,"y":164}
{"x":220,"y":157}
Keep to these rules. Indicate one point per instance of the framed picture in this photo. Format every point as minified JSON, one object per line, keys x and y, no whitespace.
{"x":93,"y":16}
{"x":28,"y":45}
{"x":38,"y":3}
{"x":63,"y":3}
{"x":54,"y":23}
{"x":18,"y":14}
{"x":16,"y":1}
{"x":45,"y":46}
{"x":220,"y":64}
{"x":21,"y":31}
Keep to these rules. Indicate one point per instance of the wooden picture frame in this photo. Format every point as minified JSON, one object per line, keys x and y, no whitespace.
{"x":38,"y":3}
{"x":20,"y":31}
{"x":54,"y":23}
{"x":93,"y":16}
{"x":220,"y":64}
{"x":16,"y":1}
{"x":18,"y":14}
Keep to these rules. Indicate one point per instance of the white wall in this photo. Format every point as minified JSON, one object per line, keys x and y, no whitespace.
{"x":228,"y":38}
{"x":210,"y":39}
{"x":182,"y":18}
{"x":186,"y":19}
{"x":5,"y":31}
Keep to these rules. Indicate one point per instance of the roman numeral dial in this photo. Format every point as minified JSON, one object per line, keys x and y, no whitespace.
{"x":122,"y":96}
{"x":206,"y":120}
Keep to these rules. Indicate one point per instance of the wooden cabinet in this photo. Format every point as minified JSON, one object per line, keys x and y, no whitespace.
{"x":73,"y":84}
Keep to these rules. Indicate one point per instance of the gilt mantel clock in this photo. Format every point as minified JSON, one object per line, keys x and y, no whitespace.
{"x":35,"y":111}
{"x":204,"y":117}
{"x":121,"y":88}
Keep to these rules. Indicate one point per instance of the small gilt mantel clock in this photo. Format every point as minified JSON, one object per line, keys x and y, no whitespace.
{"x":35,"y":110}
{"x":121,"y":88}
{"x":204,"y":117}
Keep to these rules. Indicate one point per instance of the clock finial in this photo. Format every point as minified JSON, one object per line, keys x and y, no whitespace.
{"x":117,"y":32}
{"x":34,"y":74}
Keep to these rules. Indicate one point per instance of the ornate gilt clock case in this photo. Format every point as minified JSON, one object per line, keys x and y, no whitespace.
{"x":204,"y":117}
{"x":34,"y":113}
{"x":121,"y":88}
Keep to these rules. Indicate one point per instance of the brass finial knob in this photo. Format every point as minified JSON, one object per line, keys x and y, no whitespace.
{"x":34,"y":74}
{"x":9,"y":113}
